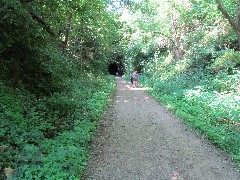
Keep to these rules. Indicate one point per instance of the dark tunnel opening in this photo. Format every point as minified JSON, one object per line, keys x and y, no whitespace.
{"x":116,"y":67}
{"x":113,"y":68}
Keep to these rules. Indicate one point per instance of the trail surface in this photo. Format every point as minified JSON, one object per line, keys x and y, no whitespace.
{"x":140,"y":140}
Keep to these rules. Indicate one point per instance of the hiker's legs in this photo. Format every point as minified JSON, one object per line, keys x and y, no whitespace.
{"x":134,"y":83}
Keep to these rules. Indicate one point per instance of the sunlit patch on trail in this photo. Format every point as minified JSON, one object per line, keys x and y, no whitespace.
{"x":139,"y":88}
{"x":135,"y":88}
{"x":175,"y":176}
{"x":127,"y":85}
{"x":127,"y":100}
{"x":124,"y":82}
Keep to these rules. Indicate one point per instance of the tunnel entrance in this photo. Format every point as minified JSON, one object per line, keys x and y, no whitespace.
{"x":116,"y":67}
{"x":113,"y":68}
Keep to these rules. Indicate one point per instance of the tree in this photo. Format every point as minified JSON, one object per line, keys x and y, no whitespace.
{"x":234,"y":21}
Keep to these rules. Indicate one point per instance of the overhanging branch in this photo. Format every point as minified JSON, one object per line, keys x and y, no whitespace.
{"x":38,"y":18}
{"x":41,"y":21}
{"x":227,"y":16}
{"x":26,"y":1}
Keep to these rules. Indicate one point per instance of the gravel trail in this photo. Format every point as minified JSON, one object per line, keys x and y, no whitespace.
{"x":140,"y":140}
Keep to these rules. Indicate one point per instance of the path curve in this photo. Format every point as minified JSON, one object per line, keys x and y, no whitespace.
{"x":140,"y":140}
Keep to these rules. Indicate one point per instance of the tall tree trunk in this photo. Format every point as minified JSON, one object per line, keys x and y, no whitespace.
{"x":235,"y":24}
{"x":68,"y":27}
{"x":81,"y":50}
{"x":238,"y":24}
{"x":177,"y":47}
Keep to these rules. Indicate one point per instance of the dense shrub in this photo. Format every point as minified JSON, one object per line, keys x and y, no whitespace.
{"x":229,"y":61}
{"x":58,"y":126}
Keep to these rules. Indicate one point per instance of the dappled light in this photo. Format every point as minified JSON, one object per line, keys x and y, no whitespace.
{"x":62,"y":62}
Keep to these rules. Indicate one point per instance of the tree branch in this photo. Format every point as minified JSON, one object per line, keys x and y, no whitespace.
{"x":227,"y":16}
{"x":41,"y":21}
{"x":68,"y":27}
{"x":26,"y":1}
{"x":238,"y":14}
{"x":38,"y":19}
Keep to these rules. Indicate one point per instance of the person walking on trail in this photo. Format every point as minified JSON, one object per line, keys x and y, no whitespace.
{"x":131,"y":78}
{"x":135,"y":79}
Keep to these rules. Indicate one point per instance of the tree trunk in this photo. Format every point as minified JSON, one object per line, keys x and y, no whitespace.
{"x":234,"y":24}
{"x":41,"y":21}
{"x":177,"y":47}
{"x":238,"y":24}
{"x":68,"y":27}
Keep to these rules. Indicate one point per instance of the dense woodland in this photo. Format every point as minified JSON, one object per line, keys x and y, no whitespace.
{"x":55,"y":59}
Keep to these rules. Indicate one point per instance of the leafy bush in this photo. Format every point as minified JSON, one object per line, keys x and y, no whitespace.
{"x":48,"y":137}
{"x":228,"y":61}
{"x":49,"y":108}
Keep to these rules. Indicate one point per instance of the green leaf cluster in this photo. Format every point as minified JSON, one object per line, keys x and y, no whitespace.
{"x":51,"y":97}
{"x":48,"y":137}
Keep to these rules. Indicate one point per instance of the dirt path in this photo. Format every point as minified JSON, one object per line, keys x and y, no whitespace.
{"x":140,"y":140}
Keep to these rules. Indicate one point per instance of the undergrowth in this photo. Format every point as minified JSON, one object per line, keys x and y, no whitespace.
{"x":48,"y":137}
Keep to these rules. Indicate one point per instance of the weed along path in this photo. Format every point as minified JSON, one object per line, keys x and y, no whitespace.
{"x":140,"y":140}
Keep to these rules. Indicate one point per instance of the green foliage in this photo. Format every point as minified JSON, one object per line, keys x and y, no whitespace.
{"x":187,"y":51}
{"x":29,"y":40}
{"x":203,"y":86}
{"x":48,"y":109}
{"x":51,"y":96}
{"x":228,"y":61}
{"x":48,"y":137}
